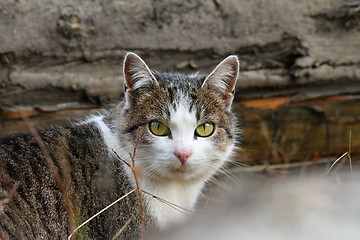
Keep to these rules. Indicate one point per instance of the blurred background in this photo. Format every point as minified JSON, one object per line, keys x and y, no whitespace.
{"x":297,"y":97}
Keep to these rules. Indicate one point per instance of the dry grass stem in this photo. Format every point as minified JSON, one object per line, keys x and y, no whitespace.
{"x":336,"y":161}
{"x":8,"y":199}
{"x":141,"y":203}
{"x":275,"y":152}
{"x":101,"y":211}
{"x":170,"y":204}
{"x":53,"y":168}
{"x":337,"y":179}
{"x":350,"y":161}
{"x":348,"y":154}
{"x":272,"y":167}
{"x":122,"y":229}
{"x":139,"y":190}
{"x":133,"y":169}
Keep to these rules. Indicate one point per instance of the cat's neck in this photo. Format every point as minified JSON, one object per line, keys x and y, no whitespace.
{"x":180,"y":196}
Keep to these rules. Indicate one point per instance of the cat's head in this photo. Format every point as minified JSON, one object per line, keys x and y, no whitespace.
{"x":187,"y":127}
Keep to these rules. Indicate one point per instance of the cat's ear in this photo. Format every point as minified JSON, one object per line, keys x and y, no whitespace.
{"x":223,"y":78}
{"x":137,"y":76}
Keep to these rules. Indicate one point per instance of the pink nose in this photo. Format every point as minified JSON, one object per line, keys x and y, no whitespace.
{"x":183,"y":155}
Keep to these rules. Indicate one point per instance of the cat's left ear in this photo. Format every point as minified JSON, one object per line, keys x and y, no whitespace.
{"x":137,"y":77}
{"x":223,"y":78}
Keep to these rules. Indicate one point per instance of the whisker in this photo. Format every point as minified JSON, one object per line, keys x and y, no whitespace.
{"x":149,"y":173}
{"x":238,"y":164}
{"x":170,"y":204}
{"x":222,"y":170}
{"x":221,"y":184}
{"x":228,"y":174}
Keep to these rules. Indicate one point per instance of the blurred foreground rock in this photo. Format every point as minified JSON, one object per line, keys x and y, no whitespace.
{"x":314,"y":208}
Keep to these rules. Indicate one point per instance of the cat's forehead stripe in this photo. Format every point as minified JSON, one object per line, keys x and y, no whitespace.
{"x":182,"y":115}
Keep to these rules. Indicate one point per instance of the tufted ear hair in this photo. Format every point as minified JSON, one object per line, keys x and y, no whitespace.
{"x":137,"y":76}
{"x":223,"y":78}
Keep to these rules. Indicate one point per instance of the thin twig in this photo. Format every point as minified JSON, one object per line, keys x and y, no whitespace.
{"x":133,"y":169}
{"x":9,"y":197}
{"x":101,"y":211}
{"x":122,"y":228}
{"x":136,"y":145}
{"x":176,"y":207}
{"x":117,"y":155}
{"x":261,"y":168}
{"x":349,"y":154}
{"x":142,"y":207}
{"x":155,"y":197}
{"x":272,"y":145}
{"x":337,"y":160}
{"x":53,"y":168}
{"x":338,"y":181}
{"x":12,"y":191}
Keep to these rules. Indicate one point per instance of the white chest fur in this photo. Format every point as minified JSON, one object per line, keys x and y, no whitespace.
{"x":182,"y":194}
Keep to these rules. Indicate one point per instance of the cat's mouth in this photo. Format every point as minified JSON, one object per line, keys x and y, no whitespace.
{"x":182,"y":170}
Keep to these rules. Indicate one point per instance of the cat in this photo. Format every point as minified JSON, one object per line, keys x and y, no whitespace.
{"x":184,"y":130}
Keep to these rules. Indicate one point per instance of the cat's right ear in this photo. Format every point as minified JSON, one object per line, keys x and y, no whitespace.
{"x":223,"y":78}
{"x":137,"y":76}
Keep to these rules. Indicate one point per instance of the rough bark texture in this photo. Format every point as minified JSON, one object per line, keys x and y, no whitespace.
{"x":57,"y":56}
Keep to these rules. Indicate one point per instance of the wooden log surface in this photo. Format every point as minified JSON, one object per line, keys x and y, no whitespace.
{"x":277,"y":130}
{"x":274,"y":129}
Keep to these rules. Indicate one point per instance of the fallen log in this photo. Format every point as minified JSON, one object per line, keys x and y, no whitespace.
{"x":274,"y":129}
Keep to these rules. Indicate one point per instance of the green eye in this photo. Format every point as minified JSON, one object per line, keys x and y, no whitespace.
{"x":205,"y":130}
{"x":159,"y":128}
